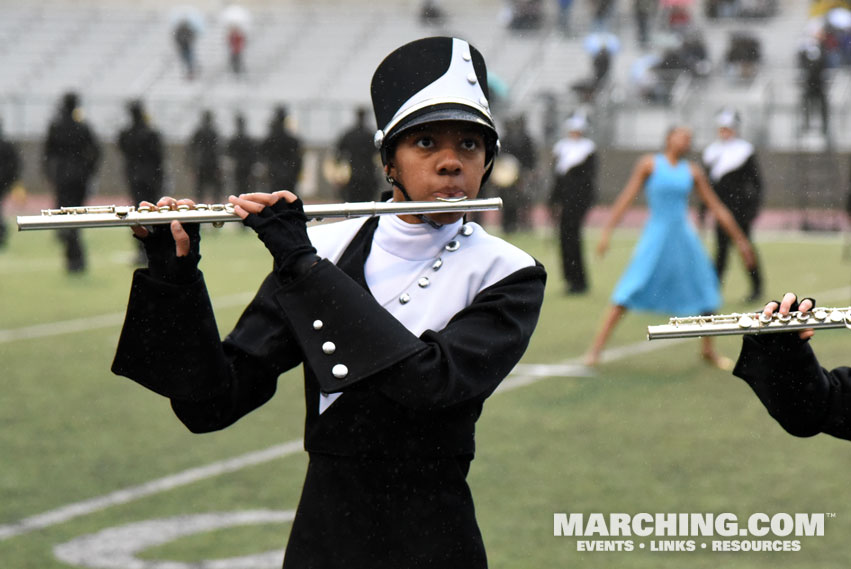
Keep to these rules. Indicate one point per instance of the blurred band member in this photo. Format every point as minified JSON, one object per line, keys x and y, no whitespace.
{"x":734,"y":174}
{"x":142,"y":148}
{"x":71,"y":158}
{"x":573,"y":194}
{"x":10,"y":169}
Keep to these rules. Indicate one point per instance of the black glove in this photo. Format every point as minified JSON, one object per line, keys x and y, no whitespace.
{"x":282,"y":227}
{"x":163,"y":262}
{"x":783,"y":339}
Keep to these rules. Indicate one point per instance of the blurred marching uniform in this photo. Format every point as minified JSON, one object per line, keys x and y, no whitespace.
{"x":516,"y":197}
{"x":204,"y":157}
{"x":10,"y":170}
{"x":356,"y":148}
{"x":733,"y":170}
{"x":142,"y":149}
{"x":282,"y":153}
{"x":243,"y":151}
{"x":404,"y":329}
{"x":574,"y":192}
{"x":71,"y":158}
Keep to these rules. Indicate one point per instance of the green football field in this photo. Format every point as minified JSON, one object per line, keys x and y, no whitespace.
{"x":97,"y":472}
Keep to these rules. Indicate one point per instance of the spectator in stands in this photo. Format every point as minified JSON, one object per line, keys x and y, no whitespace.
{"x":564,"y":7}
{"x":282,"y":153}
{"x":71,"y":158}
{"x":814,"y":67}
{"x":204,"y":158}
{"x":184,"y":38}
{"x":526,"y":15}
{"x":236,"y":47}
{"x":743,"y":55}
{"x":602,"y":14}
{"x":10,"y":169}
{"x":142,"y":149}
{"x":574,"y":191}
{"x":643,"y":11}
{"x":243,"y":152}
{"x":356,"y":148}
{"x":432,"y":13}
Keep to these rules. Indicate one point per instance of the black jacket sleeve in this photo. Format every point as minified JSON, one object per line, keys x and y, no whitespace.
{"x":803,"y":397}
{"x":466,"y":360}
{"x":170,"y":344}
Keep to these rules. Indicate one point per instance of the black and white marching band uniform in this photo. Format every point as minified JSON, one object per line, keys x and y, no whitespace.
{"x":403,"y":331}
{"x":574,"y":192}
{"x":802,"y":396}
{"x":735,"y":176}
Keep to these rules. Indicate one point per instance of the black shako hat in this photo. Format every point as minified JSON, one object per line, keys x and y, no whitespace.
{"x":429,"y":80}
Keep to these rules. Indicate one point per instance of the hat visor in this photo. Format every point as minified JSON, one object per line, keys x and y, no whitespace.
{"x":445,"y":114}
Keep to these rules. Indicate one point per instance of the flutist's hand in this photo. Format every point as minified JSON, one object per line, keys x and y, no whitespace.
{"x":173,"y":252}
{"x":790,"y":304}
{"x":279,"y":220}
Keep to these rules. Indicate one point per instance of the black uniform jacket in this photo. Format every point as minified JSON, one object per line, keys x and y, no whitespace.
{"x":403,"y":394}
{"x":735,"y":175}
{"x":802,"y":396}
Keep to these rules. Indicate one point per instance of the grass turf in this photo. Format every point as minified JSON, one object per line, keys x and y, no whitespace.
{"x":654,"y":432}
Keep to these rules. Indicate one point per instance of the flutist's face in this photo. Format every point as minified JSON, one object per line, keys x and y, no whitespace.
{"x":439,"y":160}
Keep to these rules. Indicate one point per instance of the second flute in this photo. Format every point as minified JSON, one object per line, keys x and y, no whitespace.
{"x":750,"y":323}
{"x":217,"y":214}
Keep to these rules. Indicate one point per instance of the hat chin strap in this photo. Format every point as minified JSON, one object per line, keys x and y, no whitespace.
{"x":396,"y":183}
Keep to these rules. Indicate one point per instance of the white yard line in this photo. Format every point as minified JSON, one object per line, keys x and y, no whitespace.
{"x":521,"y":376}
{"x":96,"y":322}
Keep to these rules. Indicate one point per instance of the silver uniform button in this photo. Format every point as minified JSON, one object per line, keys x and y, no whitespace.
{"x":339,"y":371}
{"x":452,"y":245}
{"x":423,"y":282}
{"x":437,"y":264}
{"x":317,"y":324}
{"x":471,"y":78}
{"x":329,"y":348}
{"x":405,"y":298}
{"x":466,"y":230}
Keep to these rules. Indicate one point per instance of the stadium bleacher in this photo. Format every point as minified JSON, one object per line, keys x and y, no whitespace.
{"x":317,"y":57}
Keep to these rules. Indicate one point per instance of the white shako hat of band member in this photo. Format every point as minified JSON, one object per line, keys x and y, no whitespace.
{"x":430,"y":80}
{"x":728,"y":118}
{"x":577,"y":122}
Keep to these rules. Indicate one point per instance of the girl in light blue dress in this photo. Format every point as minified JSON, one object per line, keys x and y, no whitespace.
{"x":669,"y":272}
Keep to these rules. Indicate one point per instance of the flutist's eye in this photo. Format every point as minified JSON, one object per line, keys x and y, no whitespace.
{"x":469,"y":144}
{"x":425,"y":142}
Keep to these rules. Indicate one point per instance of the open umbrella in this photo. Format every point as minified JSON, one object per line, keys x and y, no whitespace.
{"x":599,"y":40}
{"x":839,"y":18}
{"x":189,"y":14}
{"x":236,"y":16}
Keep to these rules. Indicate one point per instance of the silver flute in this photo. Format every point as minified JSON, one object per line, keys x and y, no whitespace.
{"x":217,"y":214}
{"x":750,"y":323}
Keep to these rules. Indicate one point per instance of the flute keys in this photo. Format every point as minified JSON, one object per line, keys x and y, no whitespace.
{"x":746,"y":321}
{"x":836,"y":316}
{"x":820,"y":314}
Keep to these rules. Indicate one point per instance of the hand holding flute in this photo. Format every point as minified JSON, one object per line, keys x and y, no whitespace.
{"x":786,"y":305}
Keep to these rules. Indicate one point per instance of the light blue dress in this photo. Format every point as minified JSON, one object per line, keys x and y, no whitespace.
{"x":670,"y":272}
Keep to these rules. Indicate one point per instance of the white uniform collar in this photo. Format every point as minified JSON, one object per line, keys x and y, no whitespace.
{"x":412,"y":241}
